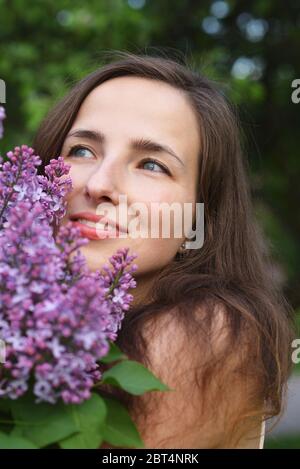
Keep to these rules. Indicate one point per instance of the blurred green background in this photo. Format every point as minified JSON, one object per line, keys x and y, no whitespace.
{"x":250,"y":47}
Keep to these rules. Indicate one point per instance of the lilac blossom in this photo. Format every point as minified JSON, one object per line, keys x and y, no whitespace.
{"x":56,"y":317}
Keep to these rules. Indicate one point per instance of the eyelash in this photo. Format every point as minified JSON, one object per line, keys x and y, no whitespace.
{"x":151,"y":160}
{"x":145,"y":160}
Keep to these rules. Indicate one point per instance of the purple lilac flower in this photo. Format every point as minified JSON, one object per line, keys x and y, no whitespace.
{"x":19,"y":181}
{"x":56,"y":317}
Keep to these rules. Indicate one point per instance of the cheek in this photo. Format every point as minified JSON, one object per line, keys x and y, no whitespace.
{"x":166,"y":212}
{"x":77,"y":175}
{"x":78,"y":179}
{"x":156,"y":193}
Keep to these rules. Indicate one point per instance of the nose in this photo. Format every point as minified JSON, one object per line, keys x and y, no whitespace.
{"x":104,"y":182}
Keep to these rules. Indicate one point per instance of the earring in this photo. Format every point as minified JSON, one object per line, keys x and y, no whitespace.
{"x":182,"y":248}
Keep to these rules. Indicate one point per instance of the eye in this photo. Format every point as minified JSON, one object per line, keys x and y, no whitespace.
{"x":78,"y":150}
{"x":152,"y":163}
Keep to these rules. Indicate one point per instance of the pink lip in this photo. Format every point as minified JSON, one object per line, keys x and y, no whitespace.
{"x":93,"y":233}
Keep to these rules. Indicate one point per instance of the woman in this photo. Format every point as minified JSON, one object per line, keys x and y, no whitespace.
{"x":209,"y":322}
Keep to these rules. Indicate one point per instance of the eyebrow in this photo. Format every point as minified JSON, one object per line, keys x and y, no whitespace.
{"x":144,"y":144}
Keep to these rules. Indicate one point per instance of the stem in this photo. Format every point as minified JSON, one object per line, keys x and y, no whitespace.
{"x":115,"y":282}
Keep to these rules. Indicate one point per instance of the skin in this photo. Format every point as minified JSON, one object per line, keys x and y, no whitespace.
{"x":124,"y":108}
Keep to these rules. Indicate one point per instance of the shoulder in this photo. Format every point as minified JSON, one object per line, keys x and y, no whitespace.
{"x":189,"y":339}
{"x":210,"y":386}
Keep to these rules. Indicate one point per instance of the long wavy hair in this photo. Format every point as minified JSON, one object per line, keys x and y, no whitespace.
{"x":232,"y":269}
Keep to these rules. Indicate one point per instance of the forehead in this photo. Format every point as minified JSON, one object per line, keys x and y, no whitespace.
{"x":126,"y":107}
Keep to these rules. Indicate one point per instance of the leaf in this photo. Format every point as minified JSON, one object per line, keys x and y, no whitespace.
{"x":114,"y":354}
{"x":119,"y":429}
{"x":16,"y":431}
{"x":4,"y":405}
{"x":43,"y":423}
{"x":133,"y":377}
{"x":89,"y":418}
{"x":9,"y":441}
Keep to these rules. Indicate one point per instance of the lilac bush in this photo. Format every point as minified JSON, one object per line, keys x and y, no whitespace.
{"x":56,"y":317}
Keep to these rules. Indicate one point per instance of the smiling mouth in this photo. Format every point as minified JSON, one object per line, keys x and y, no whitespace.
{"x":92,"y":224}
{"x":96,"y":231}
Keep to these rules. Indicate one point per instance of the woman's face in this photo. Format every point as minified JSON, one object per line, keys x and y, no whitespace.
{"x":121,"y":110}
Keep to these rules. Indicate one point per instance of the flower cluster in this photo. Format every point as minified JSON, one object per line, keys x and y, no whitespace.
{"x":56,"y":317}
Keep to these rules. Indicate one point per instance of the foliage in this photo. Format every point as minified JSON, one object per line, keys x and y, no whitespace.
{"x":25,"y":424}
{"x":283,"y":442}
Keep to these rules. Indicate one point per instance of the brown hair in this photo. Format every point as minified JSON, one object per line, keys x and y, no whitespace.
{"x":232,"y":268}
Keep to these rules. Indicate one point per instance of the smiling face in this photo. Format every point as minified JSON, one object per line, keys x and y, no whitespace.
{"x":113,"y":159}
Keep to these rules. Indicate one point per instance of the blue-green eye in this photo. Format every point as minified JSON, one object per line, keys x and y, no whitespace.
{"x":153,"y":163}
{"x":78,"y":150}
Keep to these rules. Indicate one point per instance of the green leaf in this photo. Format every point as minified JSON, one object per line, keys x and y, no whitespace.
{"x":4,"y":405}
{"x":119,"y":429}
{"x":89,"y":418}
{"x":16,"y":431}
{"x":9,"y":441}
{"x":114,"y":354}
{"x":43,"y":423}
{"x":133,"y":377}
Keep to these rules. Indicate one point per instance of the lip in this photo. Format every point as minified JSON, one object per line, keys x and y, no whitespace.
{"x":93,"y":233}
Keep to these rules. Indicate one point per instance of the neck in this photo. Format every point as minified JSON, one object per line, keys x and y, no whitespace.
{"x":142,"y":293}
